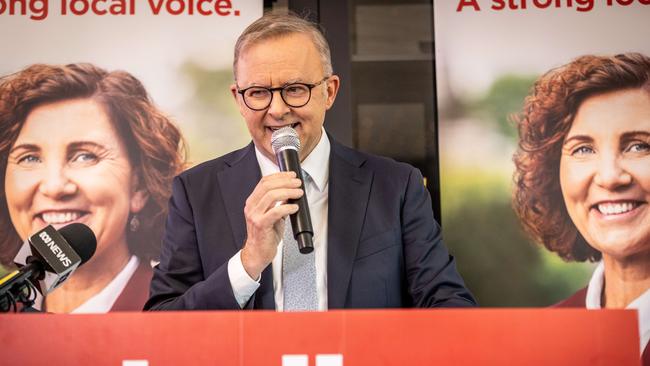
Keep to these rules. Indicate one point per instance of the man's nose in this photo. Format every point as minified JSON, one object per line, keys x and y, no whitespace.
{"x":55,"y":182}
{"x":278,"y":108}
{"x":611,"y":174}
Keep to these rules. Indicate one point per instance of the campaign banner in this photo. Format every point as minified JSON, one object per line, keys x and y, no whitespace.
{"x":102,"y":103}
{"x":525,"y":211}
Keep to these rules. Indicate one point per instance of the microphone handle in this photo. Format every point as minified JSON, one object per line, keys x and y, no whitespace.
{"x":32,"y":270}
{"x":301,"y":220}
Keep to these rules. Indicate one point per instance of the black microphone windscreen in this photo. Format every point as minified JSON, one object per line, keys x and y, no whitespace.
{"x":81,"y":238}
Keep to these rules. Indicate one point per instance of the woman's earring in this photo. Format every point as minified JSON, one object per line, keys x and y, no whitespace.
{"x":134,"y":223}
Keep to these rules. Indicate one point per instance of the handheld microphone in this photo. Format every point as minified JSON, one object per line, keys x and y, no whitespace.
{"x":286,"y":145}
{"x":49,"y":257}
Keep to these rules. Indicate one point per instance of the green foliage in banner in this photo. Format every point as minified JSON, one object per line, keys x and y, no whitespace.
{"x":499,"y":263}
{"x":503,"y":100}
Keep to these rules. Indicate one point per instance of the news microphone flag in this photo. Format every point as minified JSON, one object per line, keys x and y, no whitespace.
{"x":54,"y":251}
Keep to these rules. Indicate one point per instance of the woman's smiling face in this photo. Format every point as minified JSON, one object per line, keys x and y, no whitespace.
{"x":605,"y":172}
{"x":67,"y":165}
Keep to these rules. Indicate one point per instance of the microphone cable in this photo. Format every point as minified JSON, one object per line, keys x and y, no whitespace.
{"x":25,"y":295}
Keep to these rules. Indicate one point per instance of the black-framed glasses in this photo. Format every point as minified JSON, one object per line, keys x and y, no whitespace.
{"x":295,"y":95}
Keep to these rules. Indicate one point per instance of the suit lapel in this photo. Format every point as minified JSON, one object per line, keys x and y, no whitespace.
{"x":236,"y":184}
{"x":349,"y":191}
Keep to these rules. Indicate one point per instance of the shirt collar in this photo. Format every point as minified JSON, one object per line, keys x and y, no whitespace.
{"x":595,"y":288}
{"x":316,"y":164}
{"x":103,"y":301}
{"x":641,"y":303}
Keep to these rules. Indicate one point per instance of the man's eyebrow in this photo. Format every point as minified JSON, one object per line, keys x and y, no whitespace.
{"x":286,"y":83}
{"x":293,"y":81}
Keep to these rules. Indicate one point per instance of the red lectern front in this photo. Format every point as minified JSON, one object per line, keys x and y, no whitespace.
{"x":334,"y":338}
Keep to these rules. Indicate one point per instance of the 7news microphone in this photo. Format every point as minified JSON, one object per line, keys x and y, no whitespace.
{"x":45,"y":261}
{"x":286,"y":144}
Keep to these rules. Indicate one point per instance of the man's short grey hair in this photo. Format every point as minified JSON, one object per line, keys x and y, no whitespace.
{"x":276,"y":25}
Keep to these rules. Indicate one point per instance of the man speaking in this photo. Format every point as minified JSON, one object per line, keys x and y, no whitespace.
{"x":228,"y":242}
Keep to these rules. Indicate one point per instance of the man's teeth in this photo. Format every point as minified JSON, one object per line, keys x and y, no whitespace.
{"x":277,"y":128}
{"x":60,"y":217}
{"x":615,"y":208}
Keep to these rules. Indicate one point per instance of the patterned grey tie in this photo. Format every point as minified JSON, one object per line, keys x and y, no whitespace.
{"x":298,"y":273}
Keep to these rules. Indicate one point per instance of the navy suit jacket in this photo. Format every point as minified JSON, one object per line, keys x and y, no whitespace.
{"x":384,"y":246}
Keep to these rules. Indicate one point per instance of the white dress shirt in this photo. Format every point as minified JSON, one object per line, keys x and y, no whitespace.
{"x":316,"y":164}
{"x":641,"y":303}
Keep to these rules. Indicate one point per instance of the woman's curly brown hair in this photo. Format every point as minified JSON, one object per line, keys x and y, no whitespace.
{"x":154,"y":143}
{"x":543,"y":124}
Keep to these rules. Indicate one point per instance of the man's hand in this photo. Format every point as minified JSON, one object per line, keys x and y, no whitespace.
{"x":264,"y":212}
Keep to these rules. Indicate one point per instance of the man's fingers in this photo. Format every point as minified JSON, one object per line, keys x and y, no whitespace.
{"x":272,"y":182}
{"x":267,"y":220}
{"x":267,"y":204}
{"x":278,"y":212}
{"x":271,"y":198}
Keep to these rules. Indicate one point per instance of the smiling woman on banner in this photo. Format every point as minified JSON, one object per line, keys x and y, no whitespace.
{"x":80,"y":144}
{"x":583,"y":176}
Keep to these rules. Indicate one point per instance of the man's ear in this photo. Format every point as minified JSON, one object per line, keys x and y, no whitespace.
{"x":333,"y":84}
{"x":240,"y":103}
{"x":233,"y":91}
